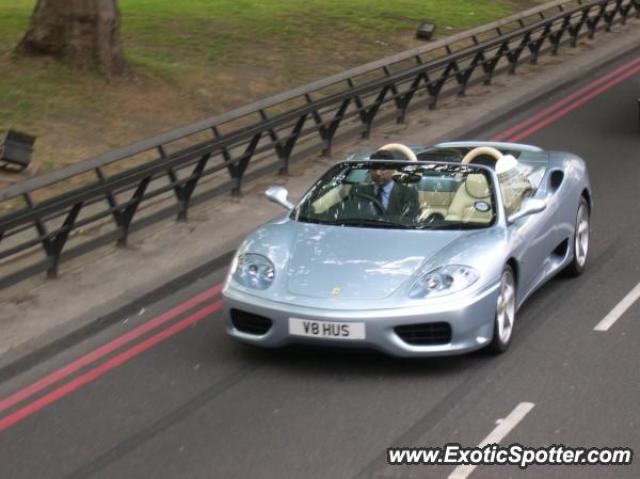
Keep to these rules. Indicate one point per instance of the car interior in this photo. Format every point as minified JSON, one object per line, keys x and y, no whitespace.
{"x":455,"y":198}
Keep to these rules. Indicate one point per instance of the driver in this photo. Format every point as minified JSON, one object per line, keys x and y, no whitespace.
{"x":396,"y":199}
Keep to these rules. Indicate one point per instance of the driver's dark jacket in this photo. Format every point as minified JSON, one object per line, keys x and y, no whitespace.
{"x":403,"y":200}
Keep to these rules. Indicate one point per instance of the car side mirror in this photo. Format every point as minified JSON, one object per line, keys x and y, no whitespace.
{"x":278,"y":195}
{"x":530,"y":206}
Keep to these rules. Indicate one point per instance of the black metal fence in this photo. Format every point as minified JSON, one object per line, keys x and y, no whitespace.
{"x":246,"y":142}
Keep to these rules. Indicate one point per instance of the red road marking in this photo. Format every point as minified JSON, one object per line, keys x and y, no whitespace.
{"x":564,"y":111}
{"x":108,"y":348}
{"x":620,"y":70}
{"x":105,"y":367}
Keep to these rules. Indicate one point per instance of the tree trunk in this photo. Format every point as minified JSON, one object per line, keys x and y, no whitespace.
{"x":82,"y":33}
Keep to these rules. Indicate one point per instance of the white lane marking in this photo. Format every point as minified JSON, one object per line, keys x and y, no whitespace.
{"x":619,"y":309}
{"x":504,"y":427}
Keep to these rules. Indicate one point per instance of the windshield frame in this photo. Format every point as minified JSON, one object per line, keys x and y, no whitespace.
{"x":496,"y":197}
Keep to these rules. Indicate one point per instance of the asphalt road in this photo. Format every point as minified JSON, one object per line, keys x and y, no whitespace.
{"x":175,"y":398}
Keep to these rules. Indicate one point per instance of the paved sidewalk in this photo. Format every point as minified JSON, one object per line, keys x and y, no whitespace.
{"x":37,"y":311}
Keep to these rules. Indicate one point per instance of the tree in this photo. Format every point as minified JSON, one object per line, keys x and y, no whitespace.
{"x":82,"y":33}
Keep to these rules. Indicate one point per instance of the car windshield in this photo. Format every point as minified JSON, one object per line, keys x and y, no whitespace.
{"x":392,"y":194}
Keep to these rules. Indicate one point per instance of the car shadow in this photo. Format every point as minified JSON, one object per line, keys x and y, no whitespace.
{"x":327,"y":361}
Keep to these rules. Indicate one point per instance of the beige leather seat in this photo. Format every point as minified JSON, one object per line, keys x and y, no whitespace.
{"x":434,"y":202}
{"x":463,"y":207}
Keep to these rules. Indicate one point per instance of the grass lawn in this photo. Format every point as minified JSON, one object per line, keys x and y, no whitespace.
{"x":196,"y":58}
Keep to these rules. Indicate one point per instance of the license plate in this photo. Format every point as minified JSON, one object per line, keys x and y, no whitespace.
{"x":326,"y":329}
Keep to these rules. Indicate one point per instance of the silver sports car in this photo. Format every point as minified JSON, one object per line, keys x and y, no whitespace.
{"x":414,"y":251}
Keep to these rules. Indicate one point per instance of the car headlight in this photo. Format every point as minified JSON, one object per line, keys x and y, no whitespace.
{"x":442,"y":281}
{"x":253,"y":271}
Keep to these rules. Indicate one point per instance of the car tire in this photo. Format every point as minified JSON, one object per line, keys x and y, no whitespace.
{"x":581,"y":237}
{"x":505,"y":312}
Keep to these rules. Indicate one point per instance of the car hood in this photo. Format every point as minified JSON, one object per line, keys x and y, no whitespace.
{"x":358,"y":263}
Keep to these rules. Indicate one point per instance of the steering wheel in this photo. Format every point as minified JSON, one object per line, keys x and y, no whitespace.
{"x":434,"y":218}
{"x":400,"y":148}
{"x":377,"y":204}
{"x":431,"y":218}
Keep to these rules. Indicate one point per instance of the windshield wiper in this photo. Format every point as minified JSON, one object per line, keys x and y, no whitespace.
{"x":453,"y":226}
{"x":367,"y":222}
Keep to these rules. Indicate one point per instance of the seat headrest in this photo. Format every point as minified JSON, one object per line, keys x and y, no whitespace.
{"x":476,"y":186}
{"x":400,"y":148}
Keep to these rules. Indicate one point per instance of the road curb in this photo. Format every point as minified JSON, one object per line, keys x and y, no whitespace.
{"x":33,"y":352}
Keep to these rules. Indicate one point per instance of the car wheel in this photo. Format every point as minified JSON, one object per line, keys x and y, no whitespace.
{"x":505,"y":312}
{"x":581,"y":238}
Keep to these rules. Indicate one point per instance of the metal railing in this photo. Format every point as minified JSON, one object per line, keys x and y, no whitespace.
{"x":264,"y":136}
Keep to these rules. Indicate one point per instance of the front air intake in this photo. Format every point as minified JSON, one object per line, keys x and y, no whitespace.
{"x":250,"y":323}
{"x":425,"y":334}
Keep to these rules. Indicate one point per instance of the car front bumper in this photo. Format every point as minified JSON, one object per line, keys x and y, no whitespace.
{"x":471,"y":320}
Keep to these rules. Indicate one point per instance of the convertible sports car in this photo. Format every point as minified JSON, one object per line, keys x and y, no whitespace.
{"x":412,"y":251}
